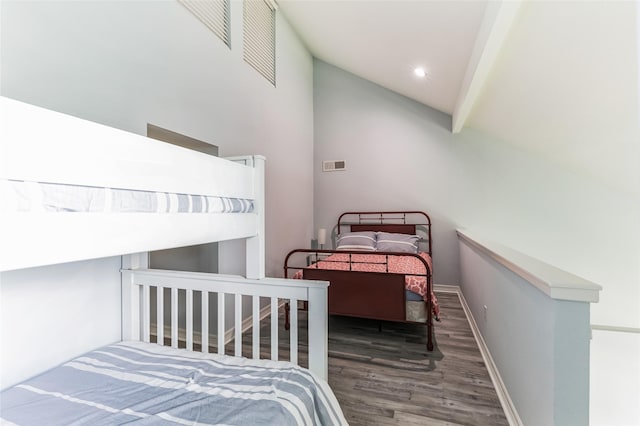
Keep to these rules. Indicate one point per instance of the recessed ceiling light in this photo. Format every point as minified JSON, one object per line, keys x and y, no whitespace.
{"x":420,"y":72}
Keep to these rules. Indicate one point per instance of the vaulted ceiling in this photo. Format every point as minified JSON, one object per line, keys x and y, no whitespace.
{"x":556,"y":78}
{"x":384,"y":41}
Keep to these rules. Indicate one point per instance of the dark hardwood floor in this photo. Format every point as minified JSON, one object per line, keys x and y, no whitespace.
{"x":387,"y":377}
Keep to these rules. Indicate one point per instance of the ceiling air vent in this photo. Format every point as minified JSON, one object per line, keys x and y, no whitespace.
{"x":333,"y":166}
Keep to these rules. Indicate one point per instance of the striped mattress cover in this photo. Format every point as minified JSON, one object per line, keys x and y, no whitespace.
{"x":151,"y":384}
{"x":25,"y":196}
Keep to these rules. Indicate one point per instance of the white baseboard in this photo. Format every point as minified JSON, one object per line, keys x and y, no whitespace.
{"x":446,"y":288}
{"x":503,"y":395}
{"x":229,"y":335}
{"x":247,"y":323}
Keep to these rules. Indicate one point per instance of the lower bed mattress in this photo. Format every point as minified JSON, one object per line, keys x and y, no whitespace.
{"x":150,"y":384}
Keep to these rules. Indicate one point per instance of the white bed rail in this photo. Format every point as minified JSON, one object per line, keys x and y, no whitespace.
{"x":138,"y":285}
{"x":42,"y":145}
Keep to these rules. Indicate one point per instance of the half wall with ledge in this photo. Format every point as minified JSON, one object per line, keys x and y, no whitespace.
{"x":532,"y":321}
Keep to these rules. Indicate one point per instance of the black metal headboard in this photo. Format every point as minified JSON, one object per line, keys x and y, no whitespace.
{"x":401,"y":222}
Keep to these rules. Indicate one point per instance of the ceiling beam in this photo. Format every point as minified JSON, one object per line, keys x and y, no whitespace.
{"x":493,"y":31}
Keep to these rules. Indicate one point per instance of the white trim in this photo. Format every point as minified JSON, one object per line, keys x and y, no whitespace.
{"x":446,"y":288}
{"x":552,"y":281}
{"x":619,"y":329}
{"x":494,"y":30}
{"x":501,"y":389}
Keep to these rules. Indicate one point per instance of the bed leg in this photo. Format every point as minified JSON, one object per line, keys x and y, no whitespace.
{"x":429,"y":332}
{"x":286,"y":315}
{"x":430,"y":314}
{"x":429,"y":328}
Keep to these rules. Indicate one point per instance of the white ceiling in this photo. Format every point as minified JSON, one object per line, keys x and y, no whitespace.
{"x":558,"y":79}
{"x":384,"y":41}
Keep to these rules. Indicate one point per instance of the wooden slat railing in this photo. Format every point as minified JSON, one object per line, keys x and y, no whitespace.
{"x":137,"y":285}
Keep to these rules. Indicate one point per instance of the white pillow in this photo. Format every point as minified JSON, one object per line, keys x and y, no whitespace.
{"x":364,"y":241}
{"x":404,"y":243}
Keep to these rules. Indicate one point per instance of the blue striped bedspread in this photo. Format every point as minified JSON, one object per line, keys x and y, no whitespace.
{"x":23,"y":196}
{"x":151,"y":384}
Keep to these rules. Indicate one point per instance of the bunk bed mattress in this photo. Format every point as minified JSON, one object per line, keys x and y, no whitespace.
{"x":148,"y":383}
{"x":25,"y":196}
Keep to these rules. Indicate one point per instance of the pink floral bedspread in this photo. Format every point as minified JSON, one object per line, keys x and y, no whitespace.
{"x":377,"y":263}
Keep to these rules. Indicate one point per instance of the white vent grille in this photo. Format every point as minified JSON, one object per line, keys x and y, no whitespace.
{"x":333,"y":165}
{"x":260,"y":37}
{"x":213,"y":13}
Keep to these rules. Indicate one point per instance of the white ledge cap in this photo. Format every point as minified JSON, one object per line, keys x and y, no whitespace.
{"x":554,"y":282}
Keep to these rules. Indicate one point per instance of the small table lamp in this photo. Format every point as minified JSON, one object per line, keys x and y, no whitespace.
{"x":322,"y":237}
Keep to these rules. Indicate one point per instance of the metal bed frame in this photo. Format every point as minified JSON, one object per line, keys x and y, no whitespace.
{"x":373,"y":295}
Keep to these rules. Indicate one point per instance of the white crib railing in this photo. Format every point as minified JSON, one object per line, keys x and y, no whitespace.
{"x":137,"y":299}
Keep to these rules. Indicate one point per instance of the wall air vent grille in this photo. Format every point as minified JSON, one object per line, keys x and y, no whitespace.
{"x":212,"y":13}
{"x":333,"y":166}
{"x":260,"y":37}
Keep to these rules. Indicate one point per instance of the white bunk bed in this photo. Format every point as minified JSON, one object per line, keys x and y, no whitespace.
{"x":51,"y":163}
{"x":73,"y":190}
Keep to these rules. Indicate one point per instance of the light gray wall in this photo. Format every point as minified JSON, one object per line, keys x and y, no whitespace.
{"x":199,"y":258}
{"x":399,"y":155}
{"x":402,"y":155}
{"x":129,"y":63}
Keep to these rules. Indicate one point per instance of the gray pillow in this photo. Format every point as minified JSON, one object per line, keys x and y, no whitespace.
{"x":397,"y":242}
{"x":365,"y":241}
